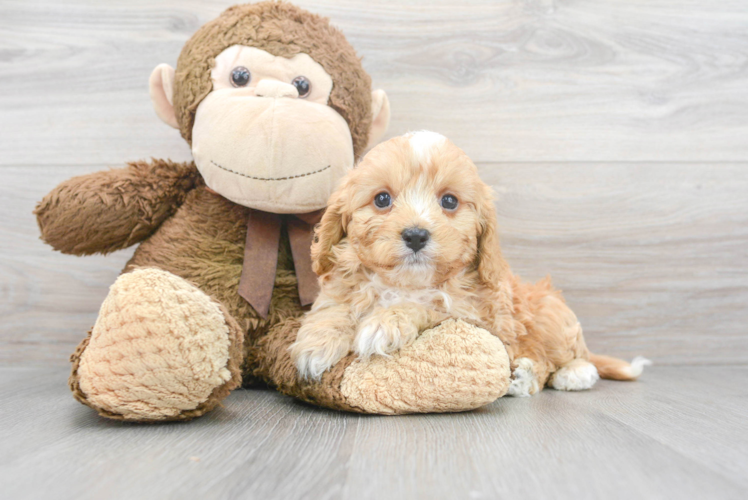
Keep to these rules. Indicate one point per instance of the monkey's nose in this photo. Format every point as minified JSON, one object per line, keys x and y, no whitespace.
{"x":275,"y":88}
{"x":415,"y":238}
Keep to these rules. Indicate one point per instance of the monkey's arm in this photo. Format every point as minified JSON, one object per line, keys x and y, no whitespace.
{"x":107,"y":211}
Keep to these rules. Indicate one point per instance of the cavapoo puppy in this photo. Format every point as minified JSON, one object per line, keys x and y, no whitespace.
{"x":410,"y":239}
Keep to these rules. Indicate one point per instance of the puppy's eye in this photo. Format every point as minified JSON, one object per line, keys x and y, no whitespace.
{"x":449,"y":202}
{"x":240,"y":76}
{"x":303,"y":85}
{"x":383,"y":200}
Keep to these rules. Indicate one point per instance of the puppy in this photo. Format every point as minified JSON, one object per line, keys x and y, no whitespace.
{"x":409,"y":239}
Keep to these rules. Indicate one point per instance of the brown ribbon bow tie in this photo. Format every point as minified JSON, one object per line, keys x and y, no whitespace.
{"x":261,"y":257}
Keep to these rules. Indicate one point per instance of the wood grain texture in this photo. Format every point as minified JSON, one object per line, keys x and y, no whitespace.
{"x":677,"y":433}
{"x":47,"y":300}
{"x":530,"y":80}
{"x":652,"y":257}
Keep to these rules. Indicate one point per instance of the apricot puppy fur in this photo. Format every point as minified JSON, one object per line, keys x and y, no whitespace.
{"x":410,"y":239}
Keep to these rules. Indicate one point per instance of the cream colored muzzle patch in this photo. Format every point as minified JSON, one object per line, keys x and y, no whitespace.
{"x":452,"y":367}
{"x":276,"y":154}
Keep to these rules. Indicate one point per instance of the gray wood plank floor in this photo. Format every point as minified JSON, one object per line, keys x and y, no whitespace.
{"x":677,"y":433}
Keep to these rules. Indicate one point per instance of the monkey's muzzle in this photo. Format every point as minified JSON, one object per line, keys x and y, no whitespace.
{"x":263,"y":152}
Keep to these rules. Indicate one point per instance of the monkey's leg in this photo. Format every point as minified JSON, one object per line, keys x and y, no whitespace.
{"x":161,"y":349}
{"x":452,"y":367}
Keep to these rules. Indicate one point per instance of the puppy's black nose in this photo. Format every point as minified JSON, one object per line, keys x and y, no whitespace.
{"x":415,"y":238}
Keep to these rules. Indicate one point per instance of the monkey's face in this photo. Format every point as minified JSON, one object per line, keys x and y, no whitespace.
{"x":276,"y":125}
{"x":265,"y":138}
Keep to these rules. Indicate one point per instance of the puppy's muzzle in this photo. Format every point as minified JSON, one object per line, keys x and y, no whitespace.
{"x":415,"y":238}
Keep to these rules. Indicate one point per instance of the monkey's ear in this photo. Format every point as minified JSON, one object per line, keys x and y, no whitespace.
{"x":380,"y":117}
{"x":162,"y":92}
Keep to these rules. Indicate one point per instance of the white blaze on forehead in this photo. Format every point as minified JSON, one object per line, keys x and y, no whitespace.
{"x":422,"y":143}
{"x":419,"y":198}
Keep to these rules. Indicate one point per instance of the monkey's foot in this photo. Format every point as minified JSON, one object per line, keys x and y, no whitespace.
{"x":452,"y":367}
{"x":161,"y":349}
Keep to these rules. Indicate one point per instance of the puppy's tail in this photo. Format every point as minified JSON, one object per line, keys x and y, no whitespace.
{"x":618,"y":369}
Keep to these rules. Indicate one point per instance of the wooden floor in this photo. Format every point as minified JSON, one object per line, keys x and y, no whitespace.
{"x":679,"y":433}
{"x":615,"y":134}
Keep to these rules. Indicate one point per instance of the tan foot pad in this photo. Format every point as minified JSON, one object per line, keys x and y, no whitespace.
{"x":159,"y":349}
{"x":452,"y":367}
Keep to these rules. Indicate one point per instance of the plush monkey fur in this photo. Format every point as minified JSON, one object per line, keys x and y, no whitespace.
{"x":283,"y":30}
{"x":174,"y":336}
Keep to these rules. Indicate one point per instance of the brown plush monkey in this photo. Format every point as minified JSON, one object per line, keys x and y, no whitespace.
{"x":276,"y":106}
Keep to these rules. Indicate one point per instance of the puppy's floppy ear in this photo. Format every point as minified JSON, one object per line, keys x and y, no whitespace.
{"x":329,"y":232}
{"x":492,"y":268}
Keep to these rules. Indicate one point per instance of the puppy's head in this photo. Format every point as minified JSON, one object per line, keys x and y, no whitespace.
{"x":415,"y":212}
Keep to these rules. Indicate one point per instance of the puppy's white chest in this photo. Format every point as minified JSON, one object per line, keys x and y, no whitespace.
{"x":392,"y":296}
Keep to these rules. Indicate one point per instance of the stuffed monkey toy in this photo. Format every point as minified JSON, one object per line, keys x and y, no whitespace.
{"x":276,"y":107}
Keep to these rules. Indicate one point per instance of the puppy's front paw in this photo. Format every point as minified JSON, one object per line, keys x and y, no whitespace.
{"x":383,"y":334}
{"x":316,"y":351}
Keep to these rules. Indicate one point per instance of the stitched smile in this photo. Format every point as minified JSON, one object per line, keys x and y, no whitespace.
{"x":270,"y":178}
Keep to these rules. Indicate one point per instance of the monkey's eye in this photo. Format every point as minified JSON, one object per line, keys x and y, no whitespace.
{"x":449,"y":202}
{"x":303,"y":85}
{"x":383,"y":200}
{"x":240,"y":76}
